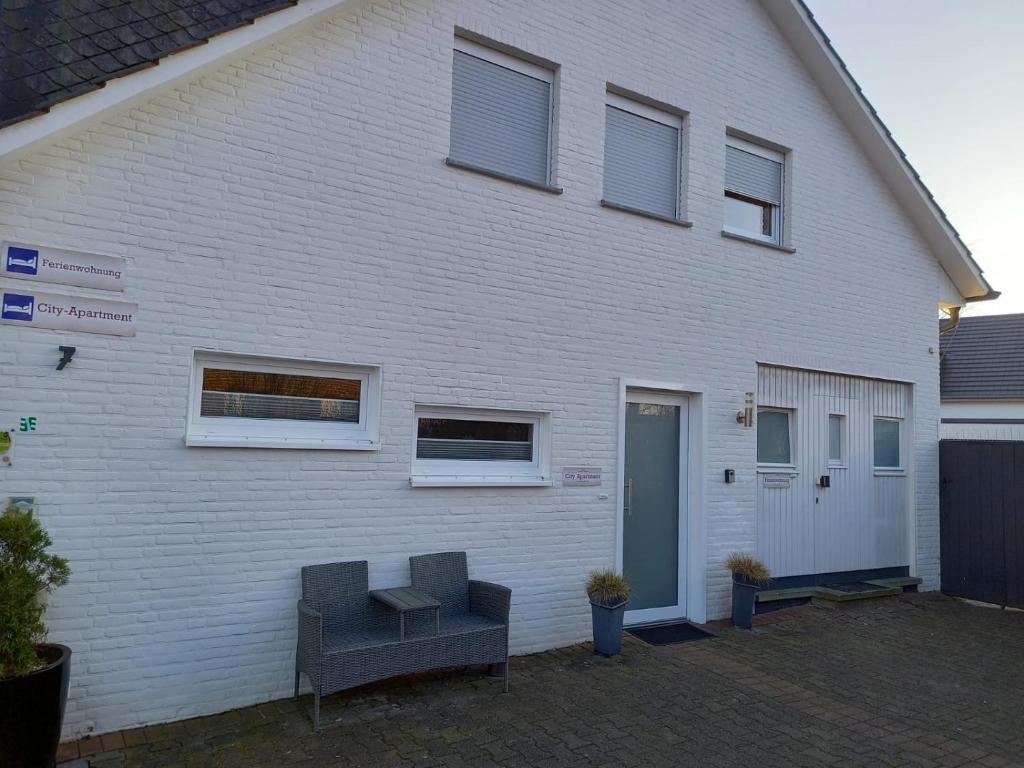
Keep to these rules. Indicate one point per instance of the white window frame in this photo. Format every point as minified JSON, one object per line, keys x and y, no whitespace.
{"x":764,"y":466}
{"x":659,"y":116}
{"x":506,"y":60}
{"x":643,"y":110}
{"x":901,"y":469}
{"x":283,"y":433}
{"x":839,"y":463}
{"x":445,"y":473}
{"x":777,"y":212}
{"x":523,"y":67}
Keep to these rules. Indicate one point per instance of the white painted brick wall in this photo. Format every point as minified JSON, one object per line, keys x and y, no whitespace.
{"x":296,"y":203}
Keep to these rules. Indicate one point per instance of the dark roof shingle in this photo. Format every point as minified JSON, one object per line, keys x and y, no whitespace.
{"x":983,"y":359}
{"x":53,"y":50}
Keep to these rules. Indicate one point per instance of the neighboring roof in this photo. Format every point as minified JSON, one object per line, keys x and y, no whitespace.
{"x":796,"y":22}
{"x":983,"y":359}
{"x":54,"y":50}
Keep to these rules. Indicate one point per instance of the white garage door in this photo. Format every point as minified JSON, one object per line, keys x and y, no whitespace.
{"x":832,"y":472}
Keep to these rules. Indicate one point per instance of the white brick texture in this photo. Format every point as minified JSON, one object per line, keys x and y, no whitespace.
{"x":296,"y":203}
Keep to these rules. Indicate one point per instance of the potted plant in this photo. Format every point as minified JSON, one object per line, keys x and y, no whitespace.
{"x":33,"y":675}
{"x":748,"y":574}
{"x":608,"y":592}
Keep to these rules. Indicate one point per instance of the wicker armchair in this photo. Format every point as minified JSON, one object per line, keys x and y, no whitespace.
{"x":342,"y":632}
{"x":474,"y":614}
{"x":346,"y":639}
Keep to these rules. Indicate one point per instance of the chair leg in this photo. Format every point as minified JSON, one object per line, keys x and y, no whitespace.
{"x":316,"y":710}
{"x":296,"y":694}
{"x":505,"y":665}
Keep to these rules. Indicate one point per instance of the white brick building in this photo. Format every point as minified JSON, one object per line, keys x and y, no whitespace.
{"x":282,"y":192}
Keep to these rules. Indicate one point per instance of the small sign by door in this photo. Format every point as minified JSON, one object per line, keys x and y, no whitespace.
{"x":776,"y":481}
{"x":577,"y":476}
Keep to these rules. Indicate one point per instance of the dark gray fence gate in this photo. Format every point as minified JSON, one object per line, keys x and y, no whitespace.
{"x":982,"y":520}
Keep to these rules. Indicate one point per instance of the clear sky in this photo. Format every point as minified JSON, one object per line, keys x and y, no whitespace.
{"x":947,"y":78}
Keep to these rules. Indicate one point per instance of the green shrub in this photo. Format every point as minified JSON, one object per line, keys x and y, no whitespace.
{"x":607,"y":587}
{"x":749,"y":567}
{"x":26,"y":570}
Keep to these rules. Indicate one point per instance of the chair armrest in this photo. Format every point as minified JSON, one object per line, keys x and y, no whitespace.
{"x":310,"y":643}
{"x":490,"y":600}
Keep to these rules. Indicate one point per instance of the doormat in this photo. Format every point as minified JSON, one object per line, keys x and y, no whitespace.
{"x":669,"y":634}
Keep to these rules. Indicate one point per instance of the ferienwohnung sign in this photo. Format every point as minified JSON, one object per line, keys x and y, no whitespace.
{"x":55,"y":265}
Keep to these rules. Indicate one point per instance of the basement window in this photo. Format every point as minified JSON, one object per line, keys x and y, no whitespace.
{"x":257,"y":402}
{"x":468,"y":446}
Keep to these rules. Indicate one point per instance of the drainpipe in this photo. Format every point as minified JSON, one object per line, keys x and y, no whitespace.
{"x":950,"y":323}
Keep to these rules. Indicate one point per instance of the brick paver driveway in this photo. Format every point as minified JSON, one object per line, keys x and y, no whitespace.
{"x":917,"y":680}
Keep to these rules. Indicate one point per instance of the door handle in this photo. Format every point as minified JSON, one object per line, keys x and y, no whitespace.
{"x":628,"y":506}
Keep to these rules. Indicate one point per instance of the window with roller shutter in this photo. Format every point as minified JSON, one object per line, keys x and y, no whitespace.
{"x":501,"y":114}
{"x":753,"y":190}
{"x":642,"y":158}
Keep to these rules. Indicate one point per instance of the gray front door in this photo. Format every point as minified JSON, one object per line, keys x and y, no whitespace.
{"x":651,"y":542}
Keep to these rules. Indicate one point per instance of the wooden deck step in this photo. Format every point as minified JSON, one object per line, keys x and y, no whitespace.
{"x":900,"y":581}
{"x":883,"y":588}
{"x":793,"y":593}
{"x":828,"y":595}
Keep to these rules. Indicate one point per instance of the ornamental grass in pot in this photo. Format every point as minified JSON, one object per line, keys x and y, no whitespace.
{"x":748,"y":575}
{"x":33,"y":674}
{"x":608,"y":592}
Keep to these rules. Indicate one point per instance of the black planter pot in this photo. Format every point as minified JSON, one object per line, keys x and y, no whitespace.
{"x":32,"y":711}
{"x":743,"y":593}
{"x":607,"y":625}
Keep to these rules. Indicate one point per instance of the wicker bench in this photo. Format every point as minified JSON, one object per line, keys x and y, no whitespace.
{"x":347,"y":639}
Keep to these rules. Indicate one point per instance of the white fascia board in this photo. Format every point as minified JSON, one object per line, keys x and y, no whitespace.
{"x":123,"y":93}
{"x":809,"y":42}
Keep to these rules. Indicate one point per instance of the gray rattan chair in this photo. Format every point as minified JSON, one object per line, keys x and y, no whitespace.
{"x":474,"y":614}
{"x":346,"y":639}
{"x":342,"y":632}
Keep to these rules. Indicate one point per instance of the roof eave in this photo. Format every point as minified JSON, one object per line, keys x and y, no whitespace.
{"x":796,"y":23}
{"x":125,"y":92}
{"x":990,"y":296}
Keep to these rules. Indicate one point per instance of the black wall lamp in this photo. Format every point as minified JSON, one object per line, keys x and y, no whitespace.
{"x":68,"y":353}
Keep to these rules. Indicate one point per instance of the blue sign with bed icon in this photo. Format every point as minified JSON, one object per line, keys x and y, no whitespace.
{"x":18,"y":306}
{"x":22,"y":260}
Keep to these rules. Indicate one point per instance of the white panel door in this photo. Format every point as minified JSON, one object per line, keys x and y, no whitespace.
{"x":860,"y":519}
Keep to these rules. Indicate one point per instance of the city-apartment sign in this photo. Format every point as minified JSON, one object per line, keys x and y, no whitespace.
{"x":55,"y":265}
{"x":67,"y":313}
{"x":581,"y":476}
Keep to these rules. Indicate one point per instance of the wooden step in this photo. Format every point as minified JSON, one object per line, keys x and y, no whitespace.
{"x":884,"y":588}
{"x":839,"y":596}
{"x":902,"y":582}
{"x":793,"y":593}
